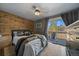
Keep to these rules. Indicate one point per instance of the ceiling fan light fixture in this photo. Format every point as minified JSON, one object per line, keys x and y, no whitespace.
{"x":37,"y":12}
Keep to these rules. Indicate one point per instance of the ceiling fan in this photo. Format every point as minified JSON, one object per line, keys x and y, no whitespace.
{"x":38,"y":11}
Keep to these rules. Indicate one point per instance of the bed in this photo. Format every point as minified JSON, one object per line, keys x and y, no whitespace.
{"x":28,"y":44}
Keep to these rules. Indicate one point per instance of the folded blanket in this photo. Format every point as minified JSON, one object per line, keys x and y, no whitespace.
{"x":20,"y":41}
{"x":34,"y":48}
{"x":22,"y":46}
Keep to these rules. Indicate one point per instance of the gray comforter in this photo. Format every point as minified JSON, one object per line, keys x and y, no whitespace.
{"x":32,"y":46}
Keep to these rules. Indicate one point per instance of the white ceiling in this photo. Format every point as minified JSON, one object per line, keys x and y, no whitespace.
{"x":25,"y":10}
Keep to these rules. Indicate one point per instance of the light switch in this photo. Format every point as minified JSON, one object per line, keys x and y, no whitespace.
{"x":0,"y":35}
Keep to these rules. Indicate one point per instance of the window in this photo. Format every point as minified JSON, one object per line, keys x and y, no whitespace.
{"x":55,"y":24}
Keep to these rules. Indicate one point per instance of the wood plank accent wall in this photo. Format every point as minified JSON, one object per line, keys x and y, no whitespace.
{"x":10,"y":22}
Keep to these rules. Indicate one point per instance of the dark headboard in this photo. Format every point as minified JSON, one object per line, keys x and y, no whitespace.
{"x":21,"y":33}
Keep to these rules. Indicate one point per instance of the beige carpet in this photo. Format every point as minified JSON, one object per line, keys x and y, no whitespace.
{"x":54,"y":50}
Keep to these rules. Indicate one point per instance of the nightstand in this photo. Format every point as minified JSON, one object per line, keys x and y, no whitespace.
{"x":4,"y":42}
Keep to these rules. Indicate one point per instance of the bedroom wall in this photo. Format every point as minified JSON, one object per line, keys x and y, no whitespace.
{"x":10,"y":22}
{"x":43,"y":28}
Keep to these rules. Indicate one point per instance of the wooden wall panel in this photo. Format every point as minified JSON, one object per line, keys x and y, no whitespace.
{"x":10,"y":22}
